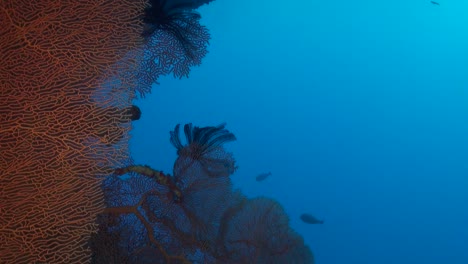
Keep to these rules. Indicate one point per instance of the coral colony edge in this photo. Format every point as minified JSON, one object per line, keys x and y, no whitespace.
{"x":69,"y":190}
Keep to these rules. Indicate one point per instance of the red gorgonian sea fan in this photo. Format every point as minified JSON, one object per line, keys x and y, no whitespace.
{"x":64,"y":122}
{"x":175,"y":40}
{"x":208,"y":222}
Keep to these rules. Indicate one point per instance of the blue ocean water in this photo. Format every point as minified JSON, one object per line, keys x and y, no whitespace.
{"x":358,"y":108}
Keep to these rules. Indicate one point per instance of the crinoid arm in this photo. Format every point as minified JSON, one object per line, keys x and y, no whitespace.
{"x":206,"y":139}
{"x":203,"y":151}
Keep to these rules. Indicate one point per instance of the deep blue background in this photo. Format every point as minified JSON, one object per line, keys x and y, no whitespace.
{"x":358,"y":108}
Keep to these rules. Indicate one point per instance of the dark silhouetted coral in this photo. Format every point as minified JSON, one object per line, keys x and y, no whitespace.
{"x":175,"y":40}
{"x":208,"y":223}
{"x":259,"y":232}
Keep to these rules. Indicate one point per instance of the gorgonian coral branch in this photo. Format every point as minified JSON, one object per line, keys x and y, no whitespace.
{"x":175,"y":40}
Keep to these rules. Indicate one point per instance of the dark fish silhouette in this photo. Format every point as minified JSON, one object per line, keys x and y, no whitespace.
{"x":434,"y":3}
{"x":263,"y":176}
{"x":309,"y":219}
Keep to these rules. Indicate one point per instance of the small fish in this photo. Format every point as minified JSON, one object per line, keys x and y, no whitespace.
{"x":263,"y":176}
{"x":434,"y":3}
{"x":309,"y":219}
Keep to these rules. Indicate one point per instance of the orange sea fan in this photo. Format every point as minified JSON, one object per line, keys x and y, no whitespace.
{"x":64,"y":120}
